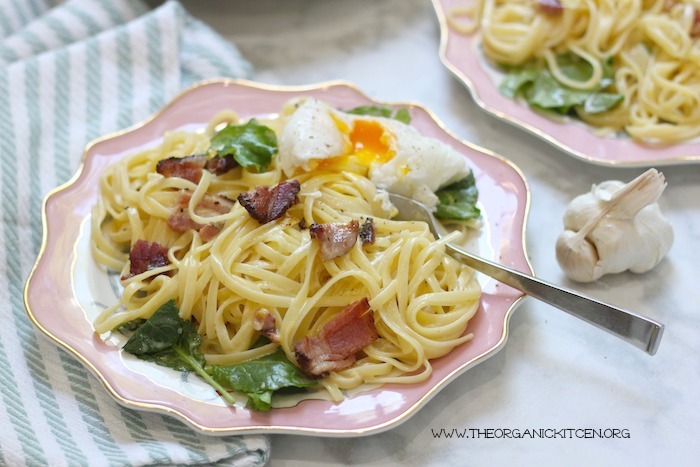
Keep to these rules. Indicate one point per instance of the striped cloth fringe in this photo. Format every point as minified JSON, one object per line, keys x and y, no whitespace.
{"x":69,"y":72}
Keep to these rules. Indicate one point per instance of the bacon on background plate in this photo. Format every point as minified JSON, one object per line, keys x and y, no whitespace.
{"x":551,"y":7}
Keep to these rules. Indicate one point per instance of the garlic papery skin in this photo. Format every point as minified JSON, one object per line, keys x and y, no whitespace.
{"x":615,"y":227}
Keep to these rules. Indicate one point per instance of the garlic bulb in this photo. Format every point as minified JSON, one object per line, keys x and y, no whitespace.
{"x":614,"y":228}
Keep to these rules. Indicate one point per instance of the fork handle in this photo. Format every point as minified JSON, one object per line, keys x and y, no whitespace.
{"x":635,"y":329}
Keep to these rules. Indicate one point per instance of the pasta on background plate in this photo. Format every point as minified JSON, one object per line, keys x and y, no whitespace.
{"x":260,"y":259}
{"x":619,"y":65}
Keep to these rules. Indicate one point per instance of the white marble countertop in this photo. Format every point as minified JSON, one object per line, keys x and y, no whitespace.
{"x":555,"y":371}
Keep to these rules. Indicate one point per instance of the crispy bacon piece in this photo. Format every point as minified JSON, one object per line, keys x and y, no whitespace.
{"x":189,"y":168}
{"x":265,"y":204}
{"x":335,"y":238}
{"x":145,"y":256}
{"x":668,"y":4}
{"x":695,"y":28}
{"x":266,"y":323}
{"x":551,"y":7}
{"x":220,"y":165}
{"x":210,"y":205}
{"x":208,"y":232}
{"x":339,"y":340}
{"x":367,"y":231}
{"x":179,"y":221}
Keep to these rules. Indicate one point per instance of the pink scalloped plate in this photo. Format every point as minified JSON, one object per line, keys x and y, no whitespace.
{"x":461,"y":55}
{"x":63,"y":305}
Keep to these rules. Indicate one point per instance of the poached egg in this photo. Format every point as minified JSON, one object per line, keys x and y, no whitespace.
{"x":396,"y":157}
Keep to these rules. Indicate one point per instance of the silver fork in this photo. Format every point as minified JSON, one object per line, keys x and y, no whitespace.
{"x":631,"y":327}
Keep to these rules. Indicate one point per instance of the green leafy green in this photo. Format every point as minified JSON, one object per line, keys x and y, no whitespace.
{"x":600,"y":102}
{"x":542,"y":90}
{"x":518,"y":79}
{"x":574,"y":67}
{"x":458,"y":200}
{"x":403,"y":115}
{"x":386,"y":111}
{"x":547,"y":93}
{"x":168,"y":340}
{"x":578,"y":69}
{"x":130,"y":326}
{"x":260,"y":401}
{"x":260,"y":378}
{"x":251,"y":144}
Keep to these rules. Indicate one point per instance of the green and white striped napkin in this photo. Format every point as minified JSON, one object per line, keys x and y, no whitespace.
{"x":69,"y":72}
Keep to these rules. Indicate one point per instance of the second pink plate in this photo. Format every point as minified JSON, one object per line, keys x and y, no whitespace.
{"x":460,"y":54}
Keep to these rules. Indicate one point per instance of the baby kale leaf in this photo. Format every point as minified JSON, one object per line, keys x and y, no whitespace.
{"x":170,"y":341}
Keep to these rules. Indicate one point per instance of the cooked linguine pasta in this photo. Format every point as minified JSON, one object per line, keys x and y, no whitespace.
{"x":653,"y":46}
{"x":422,"y":299}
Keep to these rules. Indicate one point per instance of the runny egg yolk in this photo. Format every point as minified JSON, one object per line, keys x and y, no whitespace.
{"x":370,"y":142}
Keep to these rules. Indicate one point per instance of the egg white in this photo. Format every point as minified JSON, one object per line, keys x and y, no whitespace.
{"x":311,"y":133}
